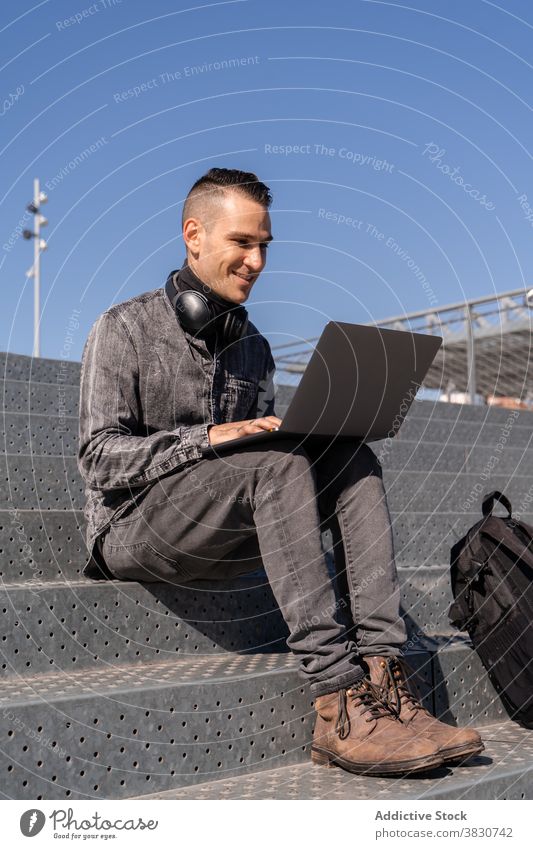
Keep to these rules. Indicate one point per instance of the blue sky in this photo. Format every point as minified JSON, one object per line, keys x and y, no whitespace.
{"x":396,"y":139}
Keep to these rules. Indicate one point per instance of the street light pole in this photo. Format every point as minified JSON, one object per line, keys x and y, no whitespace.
{"x":36,"y":272}
{"x":39,"y":245}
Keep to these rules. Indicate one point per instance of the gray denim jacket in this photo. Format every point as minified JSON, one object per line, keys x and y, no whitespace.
{"x":148,"y":392}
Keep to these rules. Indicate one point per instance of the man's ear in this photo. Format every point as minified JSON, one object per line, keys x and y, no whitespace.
{"x":192,"y":235}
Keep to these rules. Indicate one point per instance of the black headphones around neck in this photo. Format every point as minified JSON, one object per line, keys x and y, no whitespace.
{"x":201,"y":315}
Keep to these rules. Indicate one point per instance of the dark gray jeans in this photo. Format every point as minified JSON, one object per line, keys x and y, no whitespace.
{"x":266,"y":506}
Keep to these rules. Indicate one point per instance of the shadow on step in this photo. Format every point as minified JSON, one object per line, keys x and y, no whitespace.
{"x":238,"y":616}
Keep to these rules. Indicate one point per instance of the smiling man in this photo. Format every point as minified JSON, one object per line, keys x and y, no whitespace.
{"x":171,"y":373}
{"x":227,"y":235}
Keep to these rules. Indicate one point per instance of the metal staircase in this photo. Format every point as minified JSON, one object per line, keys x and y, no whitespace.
{"x":124,"y":690}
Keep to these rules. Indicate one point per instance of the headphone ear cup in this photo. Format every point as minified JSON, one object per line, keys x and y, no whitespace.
{"x":198,"y":314}
{"x":193,"y":310}
{"x":234,"y":327}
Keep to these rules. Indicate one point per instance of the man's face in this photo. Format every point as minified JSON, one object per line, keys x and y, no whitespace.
{"x":228,"y":252}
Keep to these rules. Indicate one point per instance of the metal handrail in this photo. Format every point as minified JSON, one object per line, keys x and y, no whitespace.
{"x":406,"y":317}
{"x":473,"y":324}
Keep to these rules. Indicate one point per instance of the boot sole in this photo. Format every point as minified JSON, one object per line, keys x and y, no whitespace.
{"x":329,"y":759}
{"x":459,"y":753}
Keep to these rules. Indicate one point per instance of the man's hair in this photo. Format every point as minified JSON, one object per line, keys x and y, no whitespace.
{"x":213,"y":186}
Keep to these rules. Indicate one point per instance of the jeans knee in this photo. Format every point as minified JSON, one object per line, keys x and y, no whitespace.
{"x":288,"y":456}
{"x":357,"y":457}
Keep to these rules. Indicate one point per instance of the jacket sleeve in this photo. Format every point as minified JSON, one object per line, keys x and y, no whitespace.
{"x":112,"y":455}
{"x":267,"y":390}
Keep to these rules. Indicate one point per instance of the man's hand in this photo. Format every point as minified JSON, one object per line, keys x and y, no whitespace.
{"x":234,"y":430}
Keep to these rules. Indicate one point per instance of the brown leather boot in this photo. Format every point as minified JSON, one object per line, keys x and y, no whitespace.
{"x":395,"y":680}
{"x":358,"y":732}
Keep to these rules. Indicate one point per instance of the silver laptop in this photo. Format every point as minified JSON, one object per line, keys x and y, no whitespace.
{"x":358,"y":384}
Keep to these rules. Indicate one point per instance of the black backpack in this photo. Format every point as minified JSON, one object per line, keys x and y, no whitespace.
{"x":492,"y":584}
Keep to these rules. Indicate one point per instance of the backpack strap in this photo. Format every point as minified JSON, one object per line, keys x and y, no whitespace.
{"x":488,"y":503}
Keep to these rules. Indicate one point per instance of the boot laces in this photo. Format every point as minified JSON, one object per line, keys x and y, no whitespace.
{"x":395,"y":688}
{"x":366,"y":694}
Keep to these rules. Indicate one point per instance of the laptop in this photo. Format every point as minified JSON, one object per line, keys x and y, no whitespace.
{"x":358,"y":384}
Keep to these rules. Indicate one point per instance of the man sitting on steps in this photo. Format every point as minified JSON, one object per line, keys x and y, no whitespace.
{"x":166,"y":377}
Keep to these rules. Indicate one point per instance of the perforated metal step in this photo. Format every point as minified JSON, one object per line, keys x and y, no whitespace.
{"x":476,"y":459}
{"x":54,"y":372}
{"x":55,"y":483}
{"x":114,"y":679}
{"x":23,"y":396}
{"x":74,"y":626}
{"x":34,"y":431}
{"x":38,"y":440}
{"x":27,"y":405}
{"x":49,"y":545}
{"x":41,"y":370}
{"x":38,"y":369}
{"x":70,"y":627}
{"x":39,"y":434}
{"x":85,"y":721}
{"x":483,"y":432}
{"x":40,"y":483}
{"x":448,"y":491}
{"x":115,"y":732}
{"x":41,"y":545}
{"x":437,"y":410}
{"x":504,"y":770}
{"x":463,"y":693}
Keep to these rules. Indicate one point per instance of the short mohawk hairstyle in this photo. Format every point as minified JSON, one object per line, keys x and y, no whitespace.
{"x":214,"y":184}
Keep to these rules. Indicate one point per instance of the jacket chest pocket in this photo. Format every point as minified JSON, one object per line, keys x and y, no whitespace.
{"x":238,"y":399}
{"x":174,"y":393}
